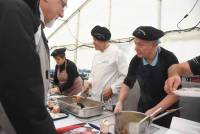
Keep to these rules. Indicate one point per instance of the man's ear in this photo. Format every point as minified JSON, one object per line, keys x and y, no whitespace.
{"x":154,"y":43}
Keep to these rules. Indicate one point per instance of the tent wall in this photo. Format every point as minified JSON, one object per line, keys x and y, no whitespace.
{"x":123,"y":17}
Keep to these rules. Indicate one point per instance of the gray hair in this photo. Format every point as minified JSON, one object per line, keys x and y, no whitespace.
{"x":157,"y":42}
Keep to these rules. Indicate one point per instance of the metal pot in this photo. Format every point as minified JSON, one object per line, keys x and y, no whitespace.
{"x":127,"y":122}
{"x":132,"y":122}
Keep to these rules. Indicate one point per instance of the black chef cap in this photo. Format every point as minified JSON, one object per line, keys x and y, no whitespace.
{"x":148,"y":33}
{"x":58,"y":52}
{"x":101,"y":33}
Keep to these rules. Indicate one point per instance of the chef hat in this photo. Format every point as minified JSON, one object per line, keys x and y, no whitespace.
{"x":58,"y":52}
{"x":148,"y":33}
{"x":101,"y":33}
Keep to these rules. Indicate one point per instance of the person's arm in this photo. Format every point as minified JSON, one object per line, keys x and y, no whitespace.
{"x":179,"y":69}
{"x":168,"y":101}
{"x":190,"y":67}
{"x":86,"y":86}
{"x":174,"y":76}
{"x":122,"y":97}
{"x":128,"y":83}
{"x":55,"y":88}
{"x":88,"y":83}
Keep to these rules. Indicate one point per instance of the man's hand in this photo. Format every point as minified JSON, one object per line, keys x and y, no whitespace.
{"x":153,"y":112}
{"x":118,"y":107}
{"x":107,"y":93}
{"x":86,"y":86}
{"x":172,"y":83}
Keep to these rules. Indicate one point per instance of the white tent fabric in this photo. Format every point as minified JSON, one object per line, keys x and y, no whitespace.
{"x":122,"y":17}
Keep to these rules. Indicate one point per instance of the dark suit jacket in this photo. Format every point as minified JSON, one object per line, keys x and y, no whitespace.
{"x":21,"y":85}
{"x":5,"y":125}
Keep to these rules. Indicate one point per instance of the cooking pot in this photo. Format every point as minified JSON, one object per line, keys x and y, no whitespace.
{"x":132,"y":122}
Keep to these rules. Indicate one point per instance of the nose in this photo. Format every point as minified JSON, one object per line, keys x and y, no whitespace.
{"x":61,"y":14}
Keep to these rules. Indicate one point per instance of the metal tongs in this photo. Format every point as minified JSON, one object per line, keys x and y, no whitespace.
{"x":166,"y":113}
{"x":161,"y":115}
{"x":149,"y":116}
{"x":77,"y":99}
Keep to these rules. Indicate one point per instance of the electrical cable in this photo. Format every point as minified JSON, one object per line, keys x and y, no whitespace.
{"x":66,"y":46}
{"x":187,"y":15}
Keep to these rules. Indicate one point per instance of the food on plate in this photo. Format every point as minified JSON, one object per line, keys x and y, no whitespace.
{"x":56,"y":109}
{"x":50,"y":105}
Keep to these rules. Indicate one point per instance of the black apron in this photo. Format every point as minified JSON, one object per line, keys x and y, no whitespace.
{"x":151,"y":80}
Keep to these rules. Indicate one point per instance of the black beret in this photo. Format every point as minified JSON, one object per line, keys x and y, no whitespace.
{"x":101,"y":33}
{"x":57,"y":52}
{"x":148,"y":33}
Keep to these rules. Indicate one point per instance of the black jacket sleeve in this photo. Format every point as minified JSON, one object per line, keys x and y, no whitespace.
{"x":131,"y":76}
{"x":72,"y":72}
{"x":21,"y":84}
{"x":195,"y":65}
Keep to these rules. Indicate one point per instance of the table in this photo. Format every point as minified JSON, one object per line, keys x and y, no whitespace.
{"x":106,"y":115}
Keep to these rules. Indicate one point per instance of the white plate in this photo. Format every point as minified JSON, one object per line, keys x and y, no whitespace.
{"x":188,"y":92}
{"x":56,"y":116}
{"x":55,"y":97}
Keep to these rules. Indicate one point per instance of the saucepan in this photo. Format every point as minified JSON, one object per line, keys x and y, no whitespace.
{"x":132,"y":122}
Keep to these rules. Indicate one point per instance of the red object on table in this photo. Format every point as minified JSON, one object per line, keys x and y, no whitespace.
{"x":68,"y":128}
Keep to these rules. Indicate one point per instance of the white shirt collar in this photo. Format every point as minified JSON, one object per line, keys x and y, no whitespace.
{"x":41,"y":15}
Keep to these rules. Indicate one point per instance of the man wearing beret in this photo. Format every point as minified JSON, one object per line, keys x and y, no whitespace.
{"x":109,"y":68}
{"x":149,"y":67}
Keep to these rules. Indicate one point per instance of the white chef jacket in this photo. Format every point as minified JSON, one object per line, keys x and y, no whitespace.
{"x":109,"y":68}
